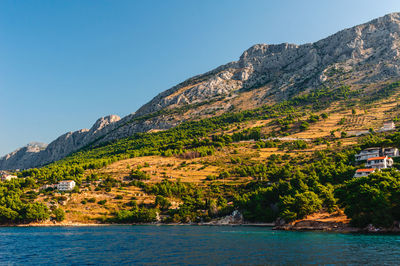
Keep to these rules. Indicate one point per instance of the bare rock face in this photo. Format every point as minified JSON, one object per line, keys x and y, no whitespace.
{"x":370,"y":52}
{"x":373,"y":46}
{"x":235,"y":218}
{"x":20,"y":157}
{"x":217,"y":82}
{"x":34,"y":155}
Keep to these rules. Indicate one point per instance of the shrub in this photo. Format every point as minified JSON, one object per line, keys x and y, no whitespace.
{"x":102,"y":202}
{"x":224,"y":175}
{"x":131,"y":203}
{"x":140,"y":215}
{"x":136,"y":174}
{"x":313,"y":118}
{"x":91,"y":200}
{"x":304,"y":126}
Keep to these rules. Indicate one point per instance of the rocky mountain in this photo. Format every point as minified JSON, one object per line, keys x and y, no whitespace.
{"x":37,"y":154}
{"x":359,"y":56}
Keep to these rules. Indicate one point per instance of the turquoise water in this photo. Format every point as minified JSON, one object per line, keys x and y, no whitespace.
{"x":191,"y":245}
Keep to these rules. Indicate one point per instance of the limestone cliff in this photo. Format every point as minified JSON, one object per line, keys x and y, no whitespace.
{"x":264,"y":73}
{"x":36,"y":155}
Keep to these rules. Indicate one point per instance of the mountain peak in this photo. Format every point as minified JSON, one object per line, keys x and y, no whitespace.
{"x":104,"y":121}
{"x":262,"y":49}
{"x":367,"y":53}
{"x":391,"y":17}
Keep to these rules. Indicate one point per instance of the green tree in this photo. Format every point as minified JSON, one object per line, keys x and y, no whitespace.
{"x":35,"y":212}
{"x":162,"y":202}
{"x":59,"y":214}
{"x":373,"y":199}
{"x":299,"y":205}
{"x":7,"y":215}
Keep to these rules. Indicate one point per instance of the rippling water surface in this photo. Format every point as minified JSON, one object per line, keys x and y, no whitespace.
{"x":191,"y":245}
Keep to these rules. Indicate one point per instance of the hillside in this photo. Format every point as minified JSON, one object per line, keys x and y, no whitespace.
{"x":206,"y":171}
{"x":362,"y":57}
{"x":201,"y":171}
{"x":277,"y":144}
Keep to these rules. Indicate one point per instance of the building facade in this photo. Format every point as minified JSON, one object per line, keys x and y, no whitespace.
{"x":66,"y":185}
{"x":387,"y":126}
{"x":390,"y":152}
{"x":377,"y":152}
{"x":368,"y":153}
{"x":379,"y":162}
{"x":364,"y":172}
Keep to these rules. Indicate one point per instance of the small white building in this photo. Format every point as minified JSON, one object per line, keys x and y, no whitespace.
{"x":364,"y":172}
{"x":48,"y":186}
{"x":391,"y":152}
{"x":387,"y":126}
{"x":66,"y":185}
{"x":379,"y":162}
{"x":7,"y":177}
{"x":357,"y":132}
{"x":368,"y":153}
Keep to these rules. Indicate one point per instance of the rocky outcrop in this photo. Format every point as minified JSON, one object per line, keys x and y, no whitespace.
{"x":370,"y":51}
{"x":22,"y":156}
{"x":34,"y":155}
{"x":236,"y":218}
{"x":365,"y":53}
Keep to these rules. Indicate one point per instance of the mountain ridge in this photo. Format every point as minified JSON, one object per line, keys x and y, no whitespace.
{"x":264,"y":73}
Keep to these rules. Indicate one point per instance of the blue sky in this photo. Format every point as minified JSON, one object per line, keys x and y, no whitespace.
{"x":63,"y":64}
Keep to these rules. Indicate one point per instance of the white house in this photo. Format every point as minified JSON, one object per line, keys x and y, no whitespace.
{"x":357,"y":132}
{"x":391,"y":152}
{"x":48,"y":186}
{"x":387,"y":126}
{"x":379,"y":162}
{"x":368,"y":153}
{"x":7,"y":177}
{"x":364,"y":172}
{"x":66,"y":185}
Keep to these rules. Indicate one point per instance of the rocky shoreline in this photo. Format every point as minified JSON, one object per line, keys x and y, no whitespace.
{"x":318,"y":226}
{"x":322,"y":221}
{"x":306,"y":226}
{"x":337,"y":227}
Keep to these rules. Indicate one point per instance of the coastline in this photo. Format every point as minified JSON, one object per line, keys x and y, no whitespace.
{"x":77,"y":224}
{"x":328,"y":228}
{"x":336,"y":222}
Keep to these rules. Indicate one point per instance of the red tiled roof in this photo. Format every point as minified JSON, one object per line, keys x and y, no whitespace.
{"x":365,"y":170}
{"x":377,"y":158}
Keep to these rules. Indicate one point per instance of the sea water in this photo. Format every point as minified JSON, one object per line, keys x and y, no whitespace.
{"x":204,"y":245}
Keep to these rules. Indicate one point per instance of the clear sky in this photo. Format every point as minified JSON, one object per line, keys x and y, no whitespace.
{"x":63,"y":64}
